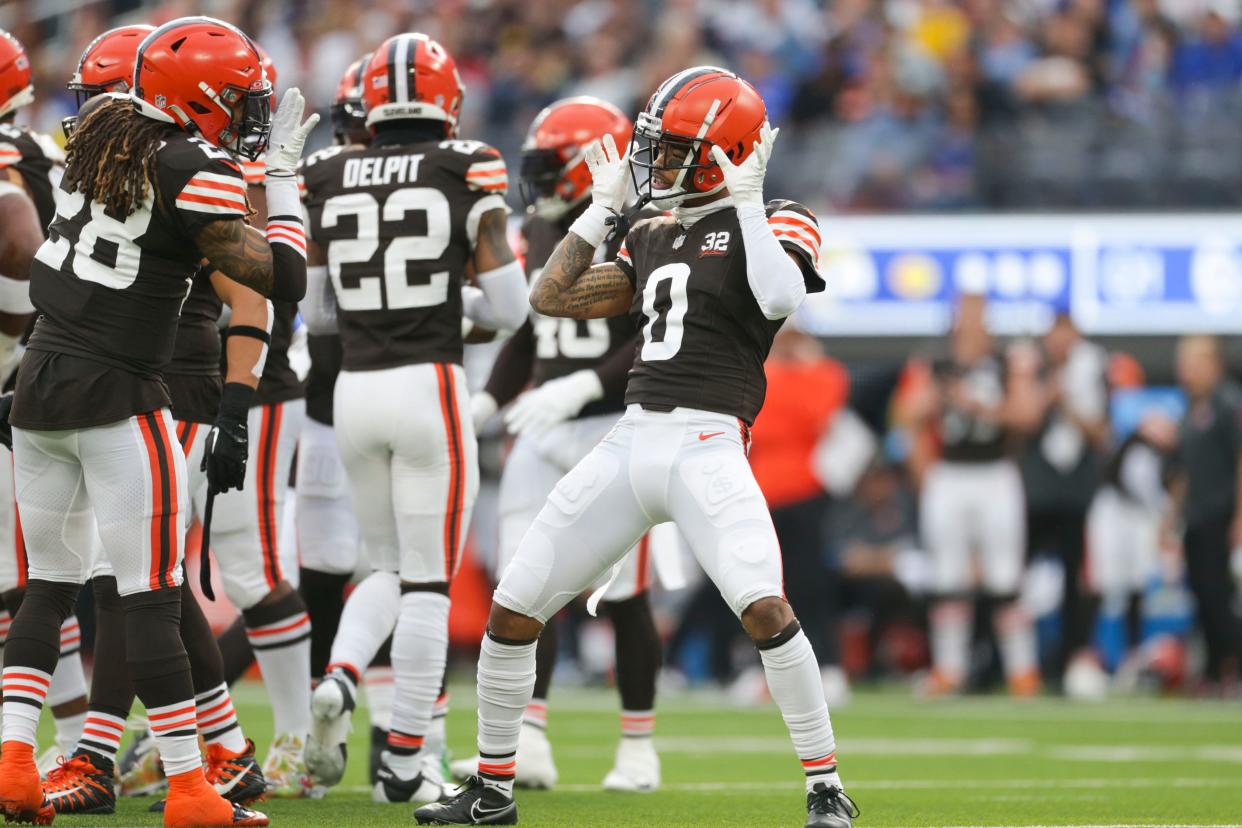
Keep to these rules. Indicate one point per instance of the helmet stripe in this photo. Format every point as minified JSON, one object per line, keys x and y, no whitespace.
{"x":677,"y":82}
{"x":392,"y":70}
{"x":402,"y":58}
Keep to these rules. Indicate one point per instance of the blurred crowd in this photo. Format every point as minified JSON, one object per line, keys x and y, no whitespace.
{"x":886,"y":104}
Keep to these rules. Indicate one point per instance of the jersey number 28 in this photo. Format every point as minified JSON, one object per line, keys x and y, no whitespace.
{"x":395,"y":292}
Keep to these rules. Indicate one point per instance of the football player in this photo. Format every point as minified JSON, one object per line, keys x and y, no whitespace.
{"x":972,"y":503}
{"x":246,"y":526}
{"x":578,"y":369}
{"x":709,"y":285}
{"x":399,"y":222}
{"x":329,"y":539}
{"x":30,"y":167}
{"x":91,"y":427}
{"x":84,"y":782}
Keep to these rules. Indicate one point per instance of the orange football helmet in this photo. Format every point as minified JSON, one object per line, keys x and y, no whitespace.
{"x":691,"y":112}
{"x":107,"y":65}
{"x":412,"y":76}
{"x":206,"y":76}
{"x":554,"y":176}
{"x":16,"y":89}
{"x":348,"y":115}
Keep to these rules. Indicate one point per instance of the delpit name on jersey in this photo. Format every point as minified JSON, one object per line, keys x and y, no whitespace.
{"x":380,"y":172}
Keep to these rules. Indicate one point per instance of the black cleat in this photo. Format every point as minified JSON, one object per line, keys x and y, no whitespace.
{"x":392,"y":788}
{"x":475,"y":804}
{"x":829,"y":808}
{"x":379,"y":744}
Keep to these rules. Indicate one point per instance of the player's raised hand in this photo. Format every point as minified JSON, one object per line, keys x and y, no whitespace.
{"x":610,"y":173}
{"x":745,"y":180}
{"x":289,"y":132}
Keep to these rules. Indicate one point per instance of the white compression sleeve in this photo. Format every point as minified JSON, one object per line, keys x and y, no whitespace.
{"x":775,"y":279}
{"x":318,"y":307}
{"x":500,"y":300}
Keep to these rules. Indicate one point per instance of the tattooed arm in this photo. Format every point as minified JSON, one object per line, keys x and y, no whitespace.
{"x":243,"y":254}
{"x":240,"y":252}
{"x":569,"y":285}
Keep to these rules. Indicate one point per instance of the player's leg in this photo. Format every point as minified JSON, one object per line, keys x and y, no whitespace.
{"x":1002,"y":511}
{"x":365,"y":414}
{"x":329,"y":540}
{"x":721,"y":512}
{"x":591,"y":518}
{"x":143,"y":534}
{"x":434,"y":483}
{"x":244,"y":538}
{"x":944,"y":519}
{"x":1111,"y":537}
{"x":50,"y":493}
{"x":638,"y":656}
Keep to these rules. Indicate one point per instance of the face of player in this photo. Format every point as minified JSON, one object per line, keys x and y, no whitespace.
{"x":1198,"y":365}
{"x":669,"y":158}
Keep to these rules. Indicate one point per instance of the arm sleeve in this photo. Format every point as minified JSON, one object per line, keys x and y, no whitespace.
{"x":286,"y":233}
{"x":318,"y":307}
{"x":500,"y":301}
{"x":777,"y":283}
{"x":614,"y":372}
{"x":513,"y":367}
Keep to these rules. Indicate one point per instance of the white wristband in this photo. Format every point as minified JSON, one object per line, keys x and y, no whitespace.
{"x":282,"y":195}
{"x":15,"y":295}
{"x":592,"y":225}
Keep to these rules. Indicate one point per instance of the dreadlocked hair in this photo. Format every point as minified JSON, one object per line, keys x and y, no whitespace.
{"x":110,"y":157}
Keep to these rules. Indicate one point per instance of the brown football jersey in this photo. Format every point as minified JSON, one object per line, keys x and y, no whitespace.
{"x":704,"y":338}
{"x":398,"y":222}
{"x":108,"y":293}
{"x":193,"y":373}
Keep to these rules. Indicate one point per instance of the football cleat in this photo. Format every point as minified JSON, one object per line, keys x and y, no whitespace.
{"x":1025,"y":685}
{"x":391,"y":788}
{"x":474,"y":804}
{"x":379,"y":743}
{"x":142,"y":772}
{"x":332,"y":706}
{"x":829,"y":807}
{"x":78,"y":786}
{"x":204,"y":807}
{"x":285,"y":768}
{"x":21,"y":793}
{"x":637,"y":769}
{"x":535,"y":768}
{"x":235,"y":776}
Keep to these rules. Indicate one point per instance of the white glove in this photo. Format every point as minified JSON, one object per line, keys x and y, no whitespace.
{"x":482,"y":408}
{"x":289,"y":131}
{"x":610,"y":173}
{"x":553,"y":402}
{"x":745,"y":180}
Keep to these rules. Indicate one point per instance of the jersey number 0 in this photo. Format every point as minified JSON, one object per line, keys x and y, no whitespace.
{"x":396,"y":292}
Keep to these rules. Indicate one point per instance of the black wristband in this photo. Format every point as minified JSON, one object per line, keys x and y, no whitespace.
{"x":235,"y":401}
{"x":250,"y":331}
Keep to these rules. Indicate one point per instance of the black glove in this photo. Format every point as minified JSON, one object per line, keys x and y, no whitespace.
{"x":224,"y":456}
{"x":6,"y":428}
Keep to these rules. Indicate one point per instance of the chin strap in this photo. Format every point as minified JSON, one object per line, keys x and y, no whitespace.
{"x":619,"y":223}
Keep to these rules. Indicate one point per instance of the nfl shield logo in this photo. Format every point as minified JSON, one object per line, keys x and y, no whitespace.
{"x":160,"y":101}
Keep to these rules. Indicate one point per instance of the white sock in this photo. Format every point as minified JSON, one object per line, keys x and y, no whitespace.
{"x":433,"y":744}
{"x":69,"y":731}
{"x":176,"y":734}
{"x":369,"y":617}
{"x":282,"y":648}
{"x":1015,"y":635}
{"x":419,"y":653}
{"x":25,"y":689}
{"x":101,"y":734}
{"x":793,"y":681}
{"x":950,"y":638}
{"x":217,"y":720}
{"x":536,"y":714}
{"x":378,"y":682}
{"x":506,"y":681}
{"x":637,"y":723}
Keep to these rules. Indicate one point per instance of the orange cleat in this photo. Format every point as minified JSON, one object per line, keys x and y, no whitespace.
{"x":1025,"y":685}
{"x":938,"y":685}
{"x":193,"y":803}
{"x":21,"y":792}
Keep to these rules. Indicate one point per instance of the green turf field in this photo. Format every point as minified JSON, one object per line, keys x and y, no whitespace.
{"x":983,"y":761}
